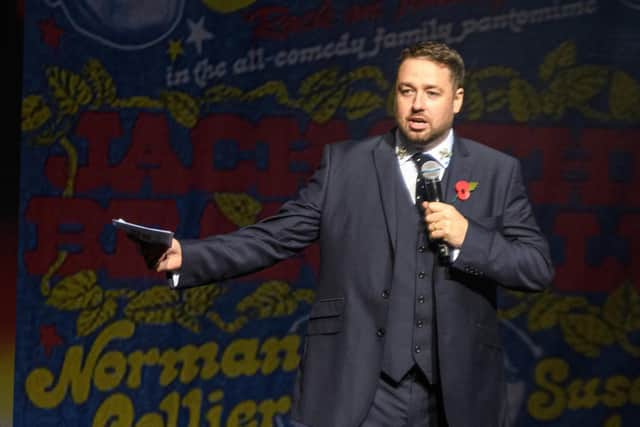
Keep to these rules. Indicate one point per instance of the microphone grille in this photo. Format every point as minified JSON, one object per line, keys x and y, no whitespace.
{"x":430,"y":170}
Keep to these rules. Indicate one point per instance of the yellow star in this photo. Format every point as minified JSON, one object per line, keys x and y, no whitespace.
{"x":175,"y":49}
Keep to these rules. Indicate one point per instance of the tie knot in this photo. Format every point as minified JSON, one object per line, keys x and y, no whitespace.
{"x":420,"y":158}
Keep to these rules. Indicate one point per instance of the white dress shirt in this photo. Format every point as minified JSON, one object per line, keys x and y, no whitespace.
{"x":441,"y":153}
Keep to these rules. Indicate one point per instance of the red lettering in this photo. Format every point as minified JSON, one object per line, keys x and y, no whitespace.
{"x":83,"y":228}
{"x":605,"y":184}
{"x":580,"y":173}
{"x":227,"y":153}
{"x":276,"y":22}
{"x":573,"y":271}
{"x":363,"y":12}
{"x":148,"y":156}
{"x":98,"y":129}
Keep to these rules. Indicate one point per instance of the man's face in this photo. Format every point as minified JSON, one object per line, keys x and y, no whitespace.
{"x":425,"y":101}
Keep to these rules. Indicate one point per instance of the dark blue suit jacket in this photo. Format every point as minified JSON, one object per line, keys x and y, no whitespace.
{"x":348,"y":205}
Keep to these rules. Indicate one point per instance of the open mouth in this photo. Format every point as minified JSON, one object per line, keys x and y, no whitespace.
{"x":417,"y":123}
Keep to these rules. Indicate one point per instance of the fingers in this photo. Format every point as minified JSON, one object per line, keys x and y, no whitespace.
{"x":171,"y":259}
{"x":445,"y":222}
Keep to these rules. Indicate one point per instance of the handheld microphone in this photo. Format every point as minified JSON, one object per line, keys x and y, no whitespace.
{"x":430,"y":172}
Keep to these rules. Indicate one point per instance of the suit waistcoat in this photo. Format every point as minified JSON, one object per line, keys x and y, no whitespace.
{"x":410,"y":330}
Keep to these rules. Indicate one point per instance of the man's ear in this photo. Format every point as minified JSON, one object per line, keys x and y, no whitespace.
{"x":458,"y":98}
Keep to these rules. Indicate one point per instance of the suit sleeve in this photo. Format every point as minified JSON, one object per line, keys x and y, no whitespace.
{"x":255,"y":247}
{"x":508,"y":249}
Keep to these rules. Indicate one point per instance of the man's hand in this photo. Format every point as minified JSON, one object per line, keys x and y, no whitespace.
{"x":171,"y":260}
{"x":445,"y":222}
{"x":161,"y":258}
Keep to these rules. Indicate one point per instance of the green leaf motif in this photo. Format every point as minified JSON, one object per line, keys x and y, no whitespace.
{"x":271,"y":299}
{"x":624,"y":97}
{"x":198,"y":300}
{"x":561,"y":57}
{"x":183,"y":108}
{"x":319,"y":81}
{"x":76,"y":292}
{"x":241,"y":209}
{"x":270,"y":88}
{"x":153,"y":306}
{"x":583,"y":83}
{"x":523,"y":100}
{"x":304,"y":295}
{"x":496,"y":99}
{"x":359,"y":104}
{"x":622,"y":308}
{"x":328,"y":106}
{"x":187,"y":321}
{"x":69,"y":89}
{"x":222,"y":93}
{"x":586,"y":333}
{"x":35,"y":112}
{"x":90,"y":320}
{"x":548,"y":308}
{"x":104,"y":89}
{"x":474,"y":107}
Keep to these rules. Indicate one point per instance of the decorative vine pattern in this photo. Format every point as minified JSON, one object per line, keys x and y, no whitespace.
{"x":586,"y":328}
{"x":159,"y":305}
{"x":563,"y":86}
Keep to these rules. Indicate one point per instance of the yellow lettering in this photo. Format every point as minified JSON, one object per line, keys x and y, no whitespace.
{"x":193,"y":402}
{"x":168,"y":361}
{"x":110,"y":370}
{"x":152,"y":419}
{"x":279,"y":352}
{"x":214,"y":414}
{"x":115,"y":411}
{"x":243,"y":415}
{"x":269,"y":408}
{"x":239,"y":358}
{"x":583,"y":394}
{"x":616,"y":391}
{"x":550,"y":402}
{"x":137,"y":360}
{"x":192,"y":361}
{"x":75,"y":374}
{"x":170,"y":405}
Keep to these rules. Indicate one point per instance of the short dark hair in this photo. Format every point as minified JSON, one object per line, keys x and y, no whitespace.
{"x":440,"y":53}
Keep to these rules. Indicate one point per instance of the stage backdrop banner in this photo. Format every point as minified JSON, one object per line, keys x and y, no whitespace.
{"x":203,"y":116}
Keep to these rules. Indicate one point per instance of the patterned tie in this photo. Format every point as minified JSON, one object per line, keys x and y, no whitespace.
{"x":421,"y":191}
{"x":421,"y":195}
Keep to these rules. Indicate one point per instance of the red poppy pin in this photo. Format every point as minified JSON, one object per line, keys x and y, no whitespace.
{"x":464,"y":189}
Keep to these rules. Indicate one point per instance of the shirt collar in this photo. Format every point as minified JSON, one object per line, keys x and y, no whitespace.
{"x":441,"y":152}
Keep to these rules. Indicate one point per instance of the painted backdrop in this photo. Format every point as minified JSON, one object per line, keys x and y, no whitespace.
{"x":202,"y":116}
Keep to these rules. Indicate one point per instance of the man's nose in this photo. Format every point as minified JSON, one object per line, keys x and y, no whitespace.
{"x":419,"y":101}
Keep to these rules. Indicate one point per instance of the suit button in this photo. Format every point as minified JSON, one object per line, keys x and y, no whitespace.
{"x":417,"y":349}
{"x":380,"y":332}
{"x":421,"y":249}
{"x":385,"y":293}
{"x":421,"y":299}
{"x":421,"y":275}
{"x":419,"y":323}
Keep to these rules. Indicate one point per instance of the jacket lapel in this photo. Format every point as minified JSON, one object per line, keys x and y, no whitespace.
{"x":387,"y":172}
{"x":459,"y":169}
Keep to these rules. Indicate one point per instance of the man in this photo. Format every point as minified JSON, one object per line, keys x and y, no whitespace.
{"x":398,"y":336}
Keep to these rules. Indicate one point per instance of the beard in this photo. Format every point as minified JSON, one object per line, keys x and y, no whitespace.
{"x":424,"y":139}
